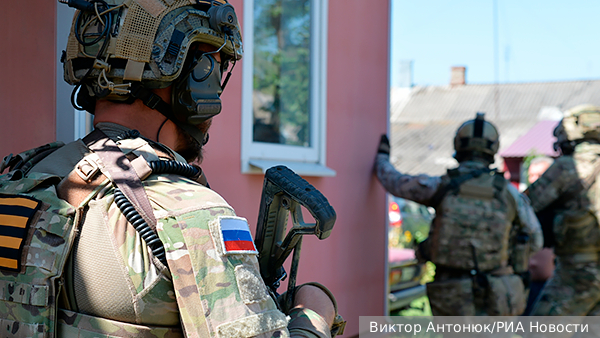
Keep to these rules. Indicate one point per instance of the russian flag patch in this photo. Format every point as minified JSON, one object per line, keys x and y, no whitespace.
{"x":235,"y":235}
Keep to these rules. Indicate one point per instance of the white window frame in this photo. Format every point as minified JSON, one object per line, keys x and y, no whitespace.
{"x":257,"y":157}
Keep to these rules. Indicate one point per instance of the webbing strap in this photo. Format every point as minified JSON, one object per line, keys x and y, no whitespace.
{"x":16,"y":329}
{"x":455,"y":183}
{"x":121,"y":172}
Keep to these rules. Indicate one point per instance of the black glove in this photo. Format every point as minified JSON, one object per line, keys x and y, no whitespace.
{"x":384,"y":145}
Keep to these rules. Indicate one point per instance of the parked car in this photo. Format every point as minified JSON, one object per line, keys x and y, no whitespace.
{"x":409,"y":224}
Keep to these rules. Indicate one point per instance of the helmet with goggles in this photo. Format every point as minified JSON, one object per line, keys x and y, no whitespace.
{"x":476,"y":138}
{"x":579,"y":123}
{"x":120,"y":50}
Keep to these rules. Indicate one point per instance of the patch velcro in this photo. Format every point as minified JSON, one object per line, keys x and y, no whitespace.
{"x":16,"y":213}
{"x":236,"y":236}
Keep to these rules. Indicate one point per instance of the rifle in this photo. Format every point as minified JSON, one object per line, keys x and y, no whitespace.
{"x":284,"y":192}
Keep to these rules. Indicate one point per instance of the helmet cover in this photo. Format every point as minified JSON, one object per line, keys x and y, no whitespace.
{"x":579,"y":122}
{"x":146,"y":41}
{"x":476,"y":138}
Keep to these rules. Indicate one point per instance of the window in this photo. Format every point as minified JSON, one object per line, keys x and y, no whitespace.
{"x":284,"y":98}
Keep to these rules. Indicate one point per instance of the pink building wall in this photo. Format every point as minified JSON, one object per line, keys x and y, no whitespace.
{"x":351,"y":262}
{"x":27,"y":66}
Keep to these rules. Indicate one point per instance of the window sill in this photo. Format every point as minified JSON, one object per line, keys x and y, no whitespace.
{"x":300,"y":168}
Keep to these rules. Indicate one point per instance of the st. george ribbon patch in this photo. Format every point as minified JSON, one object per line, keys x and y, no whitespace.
{"x":16,"y":213}
{"x":236,"y":236}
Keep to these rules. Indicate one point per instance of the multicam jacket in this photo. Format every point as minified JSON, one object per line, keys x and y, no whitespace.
{"x":563,"y":188}
{"x":423,"y":188}
{"x":113,"y":286}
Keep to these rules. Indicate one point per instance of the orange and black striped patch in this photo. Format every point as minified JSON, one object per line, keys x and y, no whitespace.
{"x":16,"y":213}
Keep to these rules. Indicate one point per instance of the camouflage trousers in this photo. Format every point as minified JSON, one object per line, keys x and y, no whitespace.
{"x":502,"y":296}
{"x":573,"y":290}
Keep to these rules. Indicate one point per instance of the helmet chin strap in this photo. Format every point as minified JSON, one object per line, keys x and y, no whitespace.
{"x":153,"y":101}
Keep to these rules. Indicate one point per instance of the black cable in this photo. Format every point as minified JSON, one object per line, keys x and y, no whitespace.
{"x":106,"y":35}
{"x":160,"y":128}
{"x":175,"y":167}
{"x":105,"y":31}
{"x":138,"y":223}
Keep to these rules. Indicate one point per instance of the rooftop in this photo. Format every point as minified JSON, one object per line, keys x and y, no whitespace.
{"x":424,"y":119}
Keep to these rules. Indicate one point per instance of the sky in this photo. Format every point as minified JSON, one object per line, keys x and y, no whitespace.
{"x":537,"y":41}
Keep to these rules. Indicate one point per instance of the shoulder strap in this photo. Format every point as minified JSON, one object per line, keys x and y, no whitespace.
{"x":120,"y":171}
{"x":130,"y":194}
{"x":455,"y":183}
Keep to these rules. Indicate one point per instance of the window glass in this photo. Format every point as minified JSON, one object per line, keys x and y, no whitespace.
{"x":281,"y":79}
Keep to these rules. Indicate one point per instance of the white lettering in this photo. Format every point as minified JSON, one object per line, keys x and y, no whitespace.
{"x":466,"y":327}
{"x":531,"y":326}
{"x":430,"y":327}
{"x":417,"y":328}
{"x":478,"y":328}
{"x":373,"y":327}
{"x":520,"y":327}
{"x":583,"y":328}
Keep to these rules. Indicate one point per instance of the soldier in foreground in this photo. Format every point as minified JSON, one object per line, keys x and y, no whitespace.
{"x":155,"y":252}
{"x":570,"y":188}
{"x":478,"y":214}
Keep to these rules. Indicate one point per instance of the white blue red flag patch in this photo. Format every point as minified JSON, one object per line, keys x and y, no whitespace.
{"x":236,"y":236}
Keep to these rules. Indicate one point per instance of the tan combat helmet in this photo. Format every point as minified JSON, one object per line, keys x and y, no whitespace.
{"x":476,"y":139}
{"x":579,"y":123}
{"x":116,"y":47}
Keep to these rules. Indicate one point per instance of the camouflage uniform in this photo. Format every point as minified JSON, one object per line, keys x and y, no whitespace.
{"x":574,"y":288}
{"x":113,"y":286}
{"x":455,"y":291}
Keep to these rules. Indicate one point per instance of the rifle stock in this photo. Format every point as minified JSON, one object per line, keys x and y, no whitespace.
{"x":284,"y":192}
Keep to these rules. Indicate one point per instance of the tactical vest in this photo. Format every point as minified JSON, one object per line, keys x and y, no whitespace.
{"x":473,"y":221}
{"x":37,"y":230}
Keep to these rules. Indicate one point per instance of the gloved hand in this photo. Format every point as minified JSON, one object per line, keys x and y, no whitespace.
{"x":384,"y":145}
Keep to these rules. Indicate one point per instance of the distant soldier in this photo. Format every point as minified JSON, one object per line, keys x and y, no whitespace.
{"x":569,"y":187}
{"x":472,"y":236}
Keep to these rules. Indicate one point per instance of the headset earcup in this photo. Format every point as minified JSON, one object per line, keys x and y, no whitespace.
{"x":222,"y":16}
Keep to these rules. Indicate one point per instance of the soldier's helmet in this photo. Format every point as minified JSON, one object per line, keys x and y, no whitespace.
{"x":121,"y":49}
{"x":579,"y":123}
{"x":476,"y":139}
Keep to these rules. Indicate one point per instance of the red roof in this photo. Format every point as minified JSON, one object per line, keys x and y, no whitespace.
{"x":538,"y":140}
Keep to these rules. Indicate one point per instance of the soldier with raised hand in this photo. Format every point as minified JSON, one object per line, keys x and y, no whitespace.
{"x":570,"y":188}
{"x":479,"y":216}
{"x":156,"y":253}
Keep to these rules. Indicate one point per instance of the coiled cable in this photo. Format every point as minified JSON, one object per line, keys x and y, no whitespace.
{"x":140,"y":225}
{"x":175,"y":167}
{"x":128,"y":210}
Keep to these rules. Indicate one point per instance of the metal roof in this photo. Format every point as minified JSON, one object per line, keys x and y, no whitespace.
{"x":423,"y":122}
